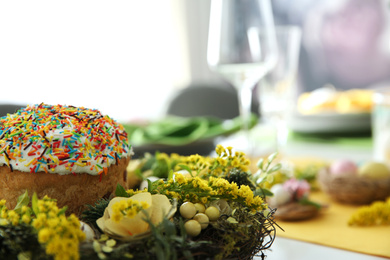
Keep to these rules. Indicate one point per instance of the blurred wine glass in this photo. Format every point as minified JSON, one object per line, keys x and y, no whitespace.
{"x":242,"y":49}
{"x":278,"y":89}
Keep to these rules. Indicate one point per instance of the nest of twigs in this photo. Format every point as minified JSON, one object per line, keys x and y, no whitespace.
{"x":295,"y":211}
{"x":352,"y":189}
{"x":249,"y":238}
{"x":222,"y":239}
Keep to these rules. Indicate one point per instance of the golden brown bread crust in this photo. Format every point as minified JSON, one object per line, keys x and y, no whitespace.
{"x":74,"y":191}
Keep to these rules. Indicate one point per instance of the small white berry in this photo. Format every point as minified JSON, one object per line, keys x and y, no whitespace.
{"x":192,"y":227}
{"x":187,"y":210}
{"x":213,"y":213}
{"x":200,"y":208}
{"x":203,"y":220}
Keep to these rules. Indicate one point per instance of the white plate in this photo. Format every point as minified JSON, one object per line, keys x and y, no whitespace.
{"x":331,"y":123}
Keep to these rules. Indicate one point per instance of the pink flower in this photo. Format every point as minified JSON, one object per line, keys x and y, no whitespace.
{"x":298,"y":188}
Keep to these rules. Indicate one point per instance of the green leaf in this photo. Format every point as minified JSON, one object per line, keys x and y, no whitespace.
{"x":138,"y":173}
{"x":34,"y":204}
{"x":260,"y":163}
{"x":150,"y":160}
{"x":159,"y":252}
{"x":23,"y":200}
{"x":62,"y":211}
{"x":161,"y":168}
{"x":272,"y":157}
{"x":275,"y":168}
{"x":170,"y":175}
{"x":306,"y":201}
{"x":94,"y":212}
{"x":185,"y":167}
{"x":149,"y":185}
{"x":263,"y":192}
{"x":232,"y":220}
{"x":120,"y":191}
{"x":169,"y":227}
{"x":25,"y":256}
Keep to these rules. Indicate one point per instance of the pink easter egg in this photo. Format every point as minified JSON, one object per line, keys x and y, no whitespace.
{"x":344,"y":167}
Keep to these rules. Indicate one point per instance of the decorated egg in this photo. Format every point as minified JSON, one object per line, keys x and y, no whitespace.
{"x":88,"y":231}
{"x":374,"y":170}
{"x":281,"y":195}
{"x":298,"y":189}
{"x":343,"y":167}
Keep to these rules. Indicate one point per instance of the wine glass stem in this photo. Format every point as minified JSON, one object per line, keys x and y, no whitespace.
{"x":281,"y":134}
{"x":245,"y":104}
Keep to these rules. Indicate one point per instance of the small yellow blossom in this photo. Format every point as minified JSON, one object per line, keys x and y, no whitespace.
{"x":44,"y":235}
{"x":24,"y":209}
{"x":204,"y":200}
{"x":4,"y":213}
{"x":127,"y":208}
{"x":26,"y":219}
{"x":3,"y":222}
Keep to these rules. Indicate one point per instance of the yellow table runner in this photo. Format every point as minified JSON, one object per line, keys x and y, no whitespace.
{"x":330,"y":228}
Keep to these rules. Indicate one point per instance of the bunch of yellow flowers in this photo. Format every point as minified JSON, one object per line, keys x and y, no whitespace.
{"x":206,"y":166}
{"x":14,"y":217}
{"x":378,"y":213}
{"x":203,"y":181}
{"x":59,"y":234}
{"x":195,"y":189}
{"x":227,"y":160}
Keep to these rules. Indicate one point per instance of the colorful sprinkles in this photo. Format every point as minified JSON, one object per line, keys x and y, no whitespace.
{"x":61,"y":139}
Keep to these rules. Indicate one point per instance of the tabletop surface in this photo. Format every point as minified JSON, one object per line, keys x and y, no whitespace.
{"x":356,"y":149}
{"x":284,"y":248}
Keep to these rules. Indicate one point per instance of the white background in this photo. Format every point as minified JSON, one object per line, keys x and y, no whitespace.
{"x":122,"y":57}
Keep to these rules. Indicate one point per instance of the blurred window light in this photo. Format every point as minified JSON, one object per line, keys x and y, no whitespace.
{"x":121,"y":57}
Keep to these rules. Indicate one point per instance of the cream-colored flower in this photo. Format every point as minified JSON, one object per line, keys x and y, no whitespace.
{"x":222,"y":205}
{"x":133,"y":227}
